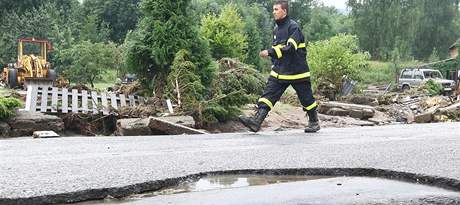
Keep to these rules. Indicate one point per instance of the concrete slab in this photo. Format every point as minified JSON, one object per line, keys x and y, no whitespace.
{"x":45,"y":134}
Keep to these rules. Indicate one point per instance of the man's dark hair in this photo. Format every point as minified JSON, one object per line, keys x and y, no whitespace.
{"x":284,"y":4}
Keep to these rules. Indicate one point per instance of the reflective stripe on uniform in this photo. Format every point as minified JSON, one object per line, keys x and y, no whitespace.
{"x":267,"y":102}
{"x":292,"y":41}
{"x":277,"y":48}
{"x":310,"y":107}
{"x":301,"y":45}
{"x":290,"y":77}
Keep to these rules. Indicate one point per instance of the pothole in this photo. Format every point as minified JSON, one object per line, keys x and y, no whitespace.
{"x":288,"y":189}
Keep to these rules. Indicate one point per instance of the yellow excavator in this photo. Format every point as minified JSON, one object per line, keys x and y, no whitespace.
{"x":30,"y":69}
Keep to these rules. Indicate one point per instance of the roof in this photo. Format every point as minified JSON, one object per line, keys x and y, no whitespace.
{"x":455,"y":44}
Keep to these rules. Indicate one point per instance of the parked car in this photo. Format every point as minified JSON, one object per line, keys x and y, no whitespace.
{"x":129,"y":78}
{"x":414,"y":77}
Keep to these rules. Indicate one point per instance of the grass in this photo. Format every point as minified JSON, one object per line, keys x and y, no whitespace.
{"x":378,"y":73}
{"x":108,"y":80}
{"x":103,"y":85}
{"x":383,"y":73}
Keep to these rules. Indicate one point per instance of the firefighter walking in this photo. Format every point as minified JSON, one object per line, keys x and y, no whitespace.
{"x":290,"y":68}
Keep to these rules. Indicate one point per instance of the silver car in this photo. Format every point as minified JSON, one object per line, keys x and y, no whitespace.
{"x":414,"y":77}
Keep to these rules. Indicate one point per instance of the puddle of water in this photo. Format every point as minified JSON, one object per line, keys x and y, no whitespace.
{"x":227,"y":182}
{"x":262,"y":189}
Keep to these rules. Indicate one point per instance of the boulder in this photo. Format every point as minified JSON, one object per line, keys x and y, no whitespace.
{"x":182,"y":120}
{"x":25,"y":123}
{"x":362,"y":100}
{"x":354,"y":110}
{"x":5,"y":129}
{"x":172,"y":125}
{"x":162,"y":125}
{"x":133,"y":127}
{"x":424,"y":117}
{"x":338,"y":112}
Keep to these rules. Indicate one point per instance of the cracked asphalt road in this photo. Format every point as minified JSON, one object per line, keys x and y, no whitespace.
{"x":37,"y":167}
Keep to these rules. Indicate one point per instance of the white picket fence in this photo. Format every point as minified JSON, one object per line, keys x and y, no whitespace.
{"x":63,"y":100}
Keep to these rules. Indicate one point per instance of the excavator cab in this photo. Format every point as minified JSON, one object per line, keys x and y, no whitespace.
{"x":31,"y":68}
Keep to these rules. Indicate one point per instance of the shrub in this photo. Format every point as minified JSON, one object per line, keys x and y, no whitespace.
{"x":8,"y":107}
{"x":433,"y":88}
{"x":330,"y":60}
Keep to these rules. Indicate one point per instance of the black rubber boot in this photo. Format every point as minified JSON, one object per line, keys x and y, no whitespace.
{"x":313,"y":122}
{"x":254,"y":123}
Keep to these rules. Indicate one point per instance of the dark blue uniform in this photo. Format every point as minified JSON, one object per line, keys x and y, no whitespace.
{"x":288,"y":54}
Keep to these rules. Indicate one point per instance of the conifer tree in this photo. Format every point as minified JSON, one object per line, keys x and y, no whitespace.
{"x":164,"y":30}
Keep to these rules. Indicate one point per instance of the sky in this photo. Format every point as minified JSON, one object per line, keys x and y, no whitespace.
{"x":340,"y":4}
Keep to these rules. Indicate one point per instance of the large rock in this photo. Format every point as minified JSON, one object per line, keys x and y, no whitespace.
{"x":362,"y":100}
{"x":5,"y":129}
{"x":25,"y":123}
{"x":162,"y":125}
{"x":424,"y":117}
{"x":172,"y":125}
{"x":338,"y":112}
{"x":182,"y":120}
{"x":133,"y":127}
{"x":355,"y":111}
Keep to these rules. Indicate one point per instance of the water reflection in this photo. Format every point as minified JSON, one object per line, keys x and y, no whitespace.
{"x":228,"y":182}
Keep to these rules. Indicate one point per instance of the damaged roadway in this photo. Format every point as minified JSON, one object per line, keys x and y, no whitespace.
{"x":41,"y":171}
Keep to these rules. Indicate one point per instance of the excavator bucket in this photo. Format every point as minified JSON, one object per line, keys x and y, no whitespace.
{"x":40,"y":82}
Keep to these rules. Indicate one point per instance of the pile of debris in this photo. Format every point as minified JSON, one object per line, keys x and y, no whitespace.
{"x":412,"y":106}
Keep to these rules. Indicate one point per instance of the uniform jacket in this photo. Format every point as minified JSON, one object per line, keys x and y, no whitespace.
{"x":288,"y":52}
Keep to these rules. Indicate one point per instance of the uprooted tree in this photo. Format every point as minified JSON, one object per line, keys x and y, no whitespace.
{"x":235,"y":84}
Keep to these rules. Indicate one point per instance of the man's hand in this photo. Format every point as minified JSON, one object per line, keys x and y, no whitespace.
{"x":263,"y":53}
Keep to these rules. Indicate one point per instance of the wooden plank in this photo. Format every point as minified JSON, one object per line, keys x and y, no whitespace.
{"x":74,"y":100}
{"x":84,"y":101}
{"x":65,"y":100}
{"x":122,"y":100}
{"x":105,"y":106}
{"x":113,"y":99}
{"x":141,"y":100}
{"x":132,"y":102}
{"x":54,"y":99}
{"x":94,"y":102}
{"x":31,"y":98}
{"x":44,"y":101}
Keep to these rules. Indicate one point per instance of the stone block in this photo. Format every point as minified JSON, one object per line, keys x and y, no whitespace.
{"x":133,"y":127}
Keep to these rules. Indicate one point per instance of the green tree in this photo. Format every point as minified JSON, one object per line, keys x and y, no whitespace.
{"x":300,"y":10}
{"x":164,"y":30}
{"x":93,"y":32}
{"x":225,"y":33}
{"x":436,"y":28}
{"x":258,"y":29}
{"x":326,"y":22}
{"x":117,"y":17}
{"x":87,"y":62}
{"x":43,"y":20}
{"x":414,"y":27}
